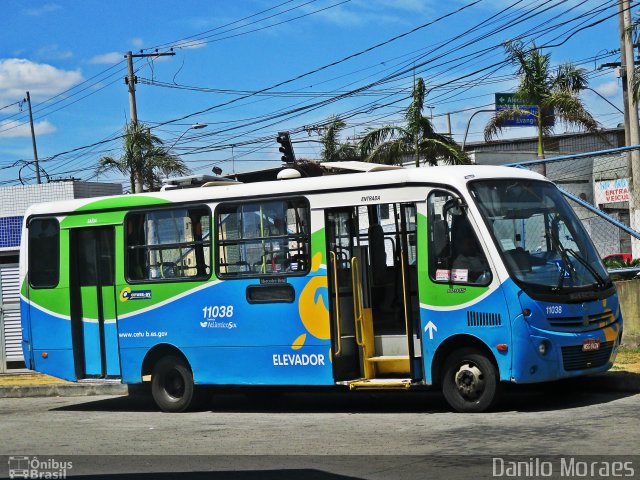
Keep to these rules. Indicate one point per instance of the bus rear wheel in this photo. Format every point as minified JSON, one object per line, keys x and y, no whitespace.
{"x":172,"y":385}
{"x":470,"y":383}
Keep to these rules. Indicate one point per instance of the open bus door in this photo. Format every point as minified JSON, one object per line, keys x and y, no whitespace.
{"x":93,"y":302}
{"x":374,"y":295}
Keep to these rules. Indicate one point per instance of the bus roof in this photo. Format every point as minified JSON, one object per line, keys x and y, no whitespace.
{"x":453,"y":176}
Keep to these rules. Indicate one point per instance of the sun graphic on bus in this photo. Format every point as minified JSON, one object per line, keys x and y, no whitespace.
{"x":314,"y":312}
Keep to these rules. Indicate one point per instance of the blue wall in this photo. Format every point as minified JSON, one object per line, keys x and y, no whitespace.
{"x":10,"y":228}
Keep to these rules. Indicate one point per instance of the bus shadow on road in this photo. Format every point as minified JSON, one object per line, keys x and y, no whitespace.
{"x":525,"y":398}
{"x":284,"y":400}
{"x":277,"y":474}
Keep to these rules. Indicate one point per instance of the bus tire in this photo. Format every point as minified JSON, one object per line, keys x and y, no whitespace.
{"x":470,"y":383}
{"x":172,"y":385}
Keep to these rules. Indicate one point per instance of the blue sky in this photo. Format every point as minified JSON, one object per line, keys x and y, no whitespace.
{"x":70,"y":56}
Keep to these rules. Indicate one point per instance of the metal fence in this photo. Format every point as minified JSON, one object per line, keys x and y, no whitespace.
{"x":597,"y":185}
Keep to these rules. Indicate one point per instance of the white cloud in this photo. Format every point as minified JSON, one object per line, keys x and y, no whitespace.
{"x":191,"y":44}
{"x":44,"y":9}
{"x":107,"y":58}
{"x":15,"y":129}
{"x":406,"y":5}
{"x":137,"y":42}
{"x":608,"y":89}
{"x":365,"y":12}
{"x":42,"y":80}
{"x":53,"y":52}
{"x":578,"y":5}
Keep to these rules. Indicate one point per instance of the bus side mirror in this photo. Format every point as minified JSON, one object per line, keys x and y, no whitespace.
{"x":455,"y":206}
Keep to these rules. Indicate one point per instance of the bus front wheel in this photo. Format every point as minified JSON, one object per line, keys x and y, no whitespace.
{"x":172,"y":385}
{"x":470,"y":382}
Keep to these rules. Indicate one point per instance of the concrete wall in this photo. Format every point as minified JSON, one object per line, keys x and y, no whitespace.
{"x":15,"y":200}
{"x":629,"y":294}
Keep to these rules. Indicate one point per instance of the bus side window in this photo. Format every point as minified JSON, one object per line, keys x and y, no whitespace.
{"x":44,"y":253}
{"x":262,"y":238}
{"x":168,"y":244}
{"x":455,"y":254}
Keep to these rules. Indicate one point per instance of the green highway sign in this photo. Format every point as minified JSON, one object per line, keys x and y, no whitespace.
{"x":509,"y":101}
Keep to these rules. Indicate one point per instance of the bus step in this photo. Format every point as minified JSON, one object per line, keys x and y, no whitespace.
{"x":391,"y":364}
{"x":381,"y":384}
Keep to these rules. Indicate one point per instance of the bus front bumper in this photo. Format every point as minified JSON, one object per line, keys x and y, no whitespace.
{"x":543,"y":355}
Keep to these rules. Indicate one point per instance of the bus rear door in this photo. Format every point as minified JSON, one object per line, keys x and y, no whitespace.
{"x":93,"y":300}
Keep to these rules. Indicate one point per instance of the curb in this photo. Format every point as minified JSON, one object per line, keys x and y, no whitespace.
{"x":62,"y":390}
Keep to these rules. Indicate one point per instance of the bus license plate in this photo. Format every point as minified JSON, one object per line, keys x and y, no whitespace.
{"x":590,"y":345}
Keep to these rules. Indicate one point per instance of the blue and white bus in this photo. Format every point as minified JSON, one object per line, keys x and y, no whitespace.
{"x":456,"y":277}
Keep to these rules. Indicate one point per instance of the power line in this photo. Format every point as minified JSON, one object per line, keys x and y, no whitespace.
{"x":341,"y":95}
{"x":324,"y":67}
{"x":181,"y":41}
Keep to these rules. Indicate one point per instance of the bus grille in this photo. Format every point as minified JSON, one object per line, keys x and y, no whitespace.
{"x":483,"y":319}
{"x":598,"y":320}
{"x":573,"y":358}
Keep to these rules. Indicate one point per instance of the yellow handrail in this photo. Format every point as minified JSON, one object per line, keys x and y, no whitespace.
{"x":357,"y":300}
{"x":334,"y":259}
{"x":404,"y":296}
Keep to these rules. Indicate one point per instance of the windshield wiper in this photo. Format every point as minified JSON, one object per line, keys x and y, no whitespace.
{"x":565,"y":259}
{"x":561,"y":278}
{"x":597,"y":277}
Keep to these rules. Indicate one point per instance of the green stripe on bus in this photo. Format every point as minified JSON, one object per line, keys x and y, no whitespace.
{"x":439,"y":294}
{"x":125,"y":201}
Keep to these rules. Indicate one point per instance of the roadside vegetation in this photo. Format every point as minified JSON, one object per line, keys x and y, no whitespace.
{"x":555,"y":91}
{"x":613,"y":264}
{"x":416,"y":139}
{"x":144,"y":159}
{"x":628,"y":360}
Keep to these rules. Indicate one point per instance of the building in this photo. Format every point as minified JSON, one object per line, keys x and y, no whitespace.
{"x":501,"y":152}
{"x":14,"y":201}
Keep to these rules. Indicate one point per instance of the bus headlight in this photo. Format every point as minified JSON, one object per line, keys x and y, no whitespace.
{"x":543,"y":347}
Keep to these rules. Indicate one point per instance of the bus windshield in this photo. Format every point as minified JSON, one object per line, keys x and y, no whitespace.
{"x":544,"y":245}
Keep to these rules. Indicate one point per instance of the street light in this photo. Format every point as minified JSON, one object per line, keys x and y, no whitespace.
{"x":195,"y":126}
{"x":466,"y":132}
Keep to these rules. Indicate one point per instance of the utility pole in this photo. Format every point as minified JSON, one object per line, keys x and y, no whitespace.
{"x":131,"y":83}
{"x":417,"y":133}
{"x":634,"y":132}
{"x":131,"y":80}
{"x":449,"y":126}
{"x":623,"y":77}
{"x":33,"y":141}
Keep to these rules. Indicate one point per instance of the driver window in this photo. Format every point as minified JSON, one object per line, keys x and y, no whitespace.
{"x":168,"y":244}
{"x":455,"y":254}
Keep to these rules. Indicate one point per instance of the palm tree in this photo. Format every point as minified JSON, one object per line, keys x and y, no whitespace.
{"x":554,"y":92}
{"x":143,"y":158}
{"x":332,"y":149}
{"x":392,"y":144}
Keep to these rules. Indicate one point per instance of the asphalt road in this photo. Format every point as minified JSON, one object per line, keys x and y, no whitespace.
{"x":320,"y":435}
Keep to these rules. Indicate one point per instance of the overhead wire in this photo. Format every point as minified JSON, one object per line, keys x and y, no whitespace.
{"x":162,"y":123}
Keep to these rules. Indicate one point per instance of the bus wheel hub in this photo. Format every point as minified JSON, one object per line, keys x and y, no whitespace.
{"x":469,"y":381}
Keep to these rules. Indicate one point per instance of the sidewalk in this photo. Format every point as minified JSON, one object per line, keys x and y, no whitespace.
{"x":31,"y":384}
